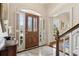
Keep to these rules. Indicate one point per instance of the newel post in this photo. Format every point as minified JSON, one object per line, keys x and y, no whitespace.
{"x":57,"y":42}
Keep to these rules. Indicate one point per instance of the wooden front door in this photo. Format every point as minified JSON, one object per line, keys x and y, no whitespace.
{"x":31,"y":31}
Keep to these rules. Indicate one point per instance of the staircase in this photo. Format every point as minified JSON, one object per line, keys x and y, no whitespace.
{"x":56,"y":44}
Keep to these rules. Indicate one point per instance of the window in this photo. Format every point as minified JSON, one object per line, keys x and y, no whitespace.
{"x":35,"y":24}
{"x":29,"y":23}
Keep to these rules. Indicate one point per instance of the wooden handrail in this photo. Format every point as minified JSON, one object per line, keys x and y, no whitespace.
{"x":70,"y":30}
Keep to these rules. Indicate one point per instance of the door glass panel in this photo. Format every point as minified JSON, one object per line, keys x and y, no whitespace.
{"x":35,"y":24}
{"x":29,"y":23}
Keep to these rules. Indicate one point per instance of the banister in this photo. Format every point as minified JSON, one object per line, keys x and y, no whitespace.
{"x":57,"y":37}
{"x":70,"y":30}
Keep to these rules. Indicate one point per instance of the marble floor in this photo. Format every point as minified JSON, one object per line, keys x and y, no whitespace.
{"x":41,"y":51}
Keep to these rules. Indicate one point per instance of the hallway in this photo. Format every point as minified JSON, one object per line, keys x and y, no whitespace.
{"x":32,"y":25}
{"x":41,"y":51}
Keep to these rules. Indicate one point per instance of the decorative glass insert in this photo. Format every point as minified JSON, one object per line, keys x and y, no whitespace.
{"x":29,"y":23}
{"x":35,"y":24}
